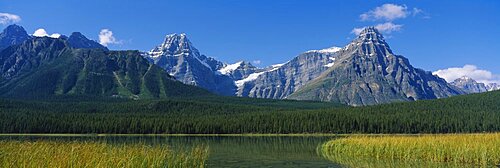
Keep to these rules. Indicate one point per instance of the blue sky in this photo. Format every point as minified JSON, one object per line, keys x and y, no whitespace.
{"x":434,"y":35}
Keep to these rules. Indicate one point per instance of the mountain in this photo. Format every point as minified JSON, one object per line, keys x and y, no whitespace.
{"x":469,"y":85}
{"x":281,"y":80}
{"x":239,"y":70}
{"x":181,"y":59}
{"x":43,"y":66}
{"x":366,"y":72}
{"x":493,"y":86}
{"x":78,"y":40}
{"x":12,"y":35}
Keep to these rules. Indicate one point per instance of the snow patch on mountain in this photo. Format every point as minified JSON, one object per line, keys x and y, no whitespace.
{"x":254,"y":76}
{"x":332,"y":59}
{"x":251,"y":77}
{"x":230,"y":68}
{"x":333,"y":49}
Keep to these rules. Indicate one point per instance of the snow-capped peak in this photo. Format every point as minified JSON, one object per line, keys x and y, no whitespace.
{"x":465,"y":78}
{"x":333,"y":49}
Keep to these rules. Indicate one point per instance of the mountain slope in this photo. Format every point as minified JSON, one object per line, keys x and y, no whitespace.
{"x":281,"y":80}
{"x":183,"y":61}
{"x":366,"y":72}
{"x":12,"y":35}
{"x":78,"y":40}
{"x":493,"y":86}
{"x":238,"y":70}
{"x":469,"y":85}
{"x":45,"y":66}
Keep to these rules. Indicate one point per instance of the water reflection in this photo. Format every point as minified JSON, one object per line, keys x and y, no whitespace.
{"x":229,"y":151}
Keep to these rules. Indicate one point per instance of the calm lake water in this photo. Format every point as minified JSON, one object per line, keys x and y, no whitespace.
{"x":232,"y":151}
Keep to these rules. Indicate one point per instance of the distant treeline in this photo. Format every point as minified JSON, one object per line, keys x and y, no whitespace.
{"x":468,"y":113}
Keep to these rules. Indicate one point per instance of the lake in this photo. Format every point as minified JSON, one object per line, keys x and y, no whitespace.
{"x":230,"y":151}
{"x":249,"y":151}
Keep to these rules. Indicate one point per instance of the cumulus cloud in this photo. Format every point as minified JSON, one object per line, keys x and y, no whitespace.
{"x":472,"y":71}
{"x":106,"y":37}
{"x":43,"y":33}
{"x":387,"y":28}
{"x":256,"y":62}
{"x":387,"y":12}
{"x":8,"y":18}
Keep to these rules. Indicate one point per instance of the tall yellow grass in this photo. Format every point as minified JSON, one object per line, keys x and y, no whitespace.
{"x":474,"y":149}
{"x":96,"y":154}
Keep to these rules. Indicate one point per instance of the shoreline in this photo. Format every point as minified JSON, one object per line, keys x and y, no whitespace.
{"x":228,"y":135}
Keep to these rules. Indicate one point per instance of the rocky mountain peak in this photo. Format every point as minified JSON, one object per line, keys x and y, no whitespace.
{"x":14,"y":30}
{"x":370,"y":42}
{"x":12,"y":35}
{"x":174,"y":44}
{"x":78,"y":40}
{"x":469,"y":85}
{"x":465,"y":79}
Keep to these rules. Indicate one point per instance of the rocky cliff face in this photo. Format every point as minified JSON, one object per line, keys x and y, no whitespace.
{"x":367,"y":72}
{"x":239,"y":70}
{"x":13,"y":35}
{"x":279,"y":81}
{"x":182,"y":60}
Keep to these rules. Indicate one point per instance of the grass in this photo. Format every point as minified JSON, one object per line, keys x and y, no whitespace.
{"x":45,"y":153}
{"x":473,"y":149}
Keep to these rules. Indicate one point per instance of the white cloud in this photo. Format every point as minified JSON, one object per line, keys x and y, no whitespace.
{"x":387,"y":12}
{"x":256,"y":62}
{"x":391,"y":12}
{"x":472,"y":71}
{"x":387,"y":28}
{"x":417,"y":11}
{"x":357,"y":30}
{"x":43,"y":33}
{"x":7,"y":18}
{"x":106,"y":37}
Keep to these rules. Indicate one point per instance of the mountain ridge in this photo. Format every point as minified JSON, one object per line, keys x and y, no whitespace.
{"x":44,"y":66}
{"x":367,"y":72}
{"x":470,"y":85}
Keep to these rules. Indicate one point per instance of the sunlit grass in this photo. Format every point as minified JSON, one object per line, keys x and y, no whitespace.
{"x":96,"y":154}
{"x":475,"y":149}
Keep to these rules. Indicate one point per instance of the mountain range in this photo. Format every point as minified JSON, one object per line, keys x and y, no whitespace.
{"x":364,"y":72}
{"x":470,"y":85}
{"x":44,"y":66}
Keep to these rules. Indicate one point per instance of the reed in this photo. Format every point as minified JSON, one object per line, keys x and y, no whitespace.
{"x":46,"y":153}
{"x":472,"y":149}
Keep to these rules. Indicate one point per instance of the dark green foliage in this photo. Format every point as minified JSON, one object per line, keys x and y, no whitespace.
{"x":469,"y":113}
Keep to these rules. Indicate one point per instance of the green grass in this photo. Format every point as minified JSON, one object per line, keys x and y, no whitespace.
{"x":473,"y":149}
{"x":44,"y":153}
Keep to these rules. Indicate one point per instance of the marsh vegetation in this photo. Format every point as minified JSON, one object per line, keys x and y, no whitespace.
{"x":455,"y":149}
{"x":47,"y":153}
